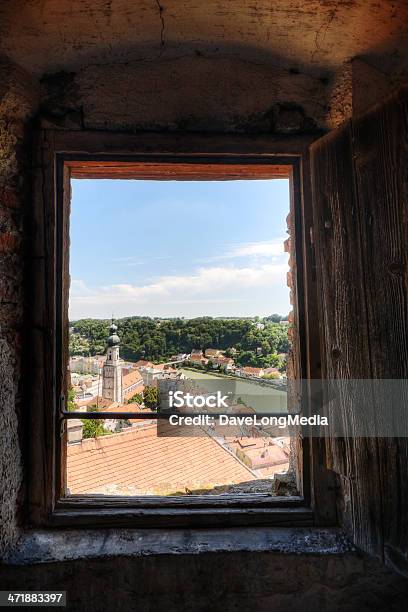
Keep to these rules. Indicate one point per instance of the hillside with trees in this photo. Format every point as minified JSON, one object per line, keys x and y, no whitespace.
{"x":158,"y":339}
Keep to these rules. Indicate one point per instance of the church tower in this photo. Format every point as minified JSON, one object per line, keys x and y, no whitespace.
{"x":112,"y":370}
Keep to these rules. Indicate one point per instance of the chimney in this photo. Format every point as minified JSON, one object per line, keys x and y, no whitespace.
{"x":74,"y":430}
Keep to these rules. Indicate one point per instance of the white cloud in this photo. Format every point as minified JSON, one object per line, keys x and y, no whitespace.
{"x":259,"y":249}
{"x":78,"y":289}
{"x":271,"y":250}
{"x":226,"y":285}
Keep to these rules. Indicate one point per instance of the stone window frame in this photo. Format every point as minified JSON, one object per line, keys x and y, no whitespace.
{"x":60,"y":155}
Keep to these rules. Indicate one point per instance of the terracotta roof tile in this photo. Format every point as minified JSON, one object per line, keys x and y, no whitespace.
{"x":138,"y":461}
{"x":101,"y":402}
{"x":133,"y":377}
{"x":250,"y":370}
{"x":133,"y":407}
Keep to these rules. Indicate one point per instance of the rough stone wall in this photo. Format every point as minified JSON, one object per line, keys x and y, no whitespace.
{"x":354,"y":88}
{"x":17,"y":100}
{"x":10,"y":456}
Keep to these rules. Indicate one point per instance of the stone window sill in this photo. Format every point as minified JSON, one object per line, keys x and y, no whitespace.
{"x":50,"y":546}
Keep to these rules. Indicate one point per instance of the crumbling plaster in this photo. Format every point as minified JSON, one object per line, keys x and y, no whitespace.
{"x":44,"y":36}
{"x":207,"y":66}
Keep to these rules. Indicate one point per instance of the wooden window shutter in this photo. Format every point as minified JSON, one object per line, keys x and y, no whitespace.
{"x":360,"y":218}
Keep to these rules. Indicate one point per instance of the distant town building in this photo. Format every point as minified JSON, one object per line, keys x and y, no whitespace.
{"x":160,"y":371}
{"x":198,"y":360}
{"x":132,"y":383}
{"x":222,"y":361}
{"x":180,"y":357}
{"x":211,"y":352}
{"x":249,"y":372}
{"x":87,"y":365}
{"x":112,"y":369}
{"x":142,"y":364}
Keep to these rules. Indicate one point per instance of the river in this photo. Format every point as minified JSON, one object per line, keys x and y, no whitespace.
{"x":263,"y":398}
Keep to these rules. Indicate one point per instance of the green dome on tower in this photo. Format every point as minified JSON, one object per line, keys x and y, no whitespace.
{"x":113,"y":339}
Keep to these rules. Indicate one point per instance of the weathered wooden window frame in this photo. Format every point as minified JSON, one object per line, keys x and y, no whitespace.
{"x":62,"y":155}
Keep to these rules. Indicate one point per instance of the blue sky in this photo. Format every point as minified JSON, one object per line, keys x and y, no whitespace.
{"x":178,"y":248}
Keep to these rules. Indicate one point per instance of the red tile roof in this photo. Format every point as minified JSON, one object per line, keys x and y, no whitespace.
{"x":134,"y":377}
{"x":99,"y":401}
{"x":131,"y":378}
{"x":250,"y":370}
{"x":134,"y":407}
{"x":223,"y":359}
{"x":263,"y":455}
{"x":138,"y":461}
{"x":268,"y":456}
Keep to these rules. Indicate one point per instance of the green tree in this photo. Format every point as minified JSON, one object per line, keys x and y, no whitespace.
{"x":151,"y":397}
{"x":93,"y":428}
{"x":136,"y":398}
{"x":245,"y":358}
{"x":275,"y":318}
{"x":271,"y":376}
{"x":70,"y":400}
{"x":157,"y":339}
{"x":78,"y":345}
